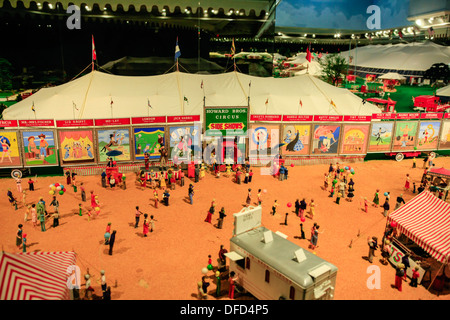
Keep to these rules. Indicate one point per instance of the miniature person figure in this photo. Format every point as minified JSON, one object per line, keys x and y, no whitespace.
{"x":385,"y":253}
{"x":274,"y":207}
{"x":103,"y":282}
{"x":218,"y":283}
{"x":191,"y":193}
{"x":24,"y":243}
{"x":414,"y":162}
{"x":27,"y":212}
{"x":31,"y":184}
{"x":205,"y":285}
{"x":162,"y":180}
{"x":366,"y":205}
{"x":173,"y":181}
{"x":166,"y":196}
{"x":259,"y":197}
{"x":181,"y":178}
{"x":232,"y":281}
{"x":314,"y":237}
{"x":107,"y":235}
{"x":24,"y":198}
{"x":10,"y":196}
{"x":209,"y":214}
{"x":152,"y":223}
{"x":400,"y":200}
{"x":249,"y":197}
{"x":222,"y":215}
{"x":246,"y":175}
{"x":55,"y":219}
{"x":196,"y":173}
{"x":209,"y":265}
{"x":302,"y":232}
{"x":338,"y":197}
{"x":405,"y":261}
{"x":302,"y":209}
{"x":42,"y":222}
{"x":80,"y":210}
{"x":137,"y":216}
{"x":399,"y":273}
{"x":373,"y":245}
{"x":407,"y":182}
{"x":414,"y":187}
{"x":238,"y":176}
{"x":112,"y":239}
{"x":19,"y":236}
{"x":33,"y":215}
{"x":89,"y":289}
{"x":312,"y":208}
{"x":103,"y":175}
{"x":250,"y":176}
{"x":415,"y":277}
{"x":74,"y":184}
{"x":325,"y":181}
{"x":386,"y":208}
{"x":376,"y":199}
{"x":55,"y":203}
{"x":145,"y":225}
{"x":68,"y":178}
{"x":83,"y":192}
{"x":156,"y":197}
{"x":112,"y":182}
{"x":19,"y":185}
{"x":124,"y":182}
{"x":285,"y":219}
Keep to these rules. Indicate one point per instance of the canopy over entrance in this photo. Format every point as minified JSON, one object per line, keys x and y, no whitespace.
{"x":426,"y":220}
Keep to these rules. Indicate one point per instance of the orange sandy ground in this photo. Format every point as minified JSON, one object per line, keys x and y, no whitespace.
{"x":167,"y":265}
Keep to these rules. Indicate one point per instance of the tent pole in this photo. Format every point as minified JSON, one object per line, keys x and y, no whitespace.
{"x":85,"y":96}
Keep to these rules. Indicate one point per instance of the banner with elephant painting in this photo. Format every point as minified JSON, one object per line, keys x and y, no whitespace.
{"x":9,"y":149}
{"x":39,"y":148}
{"x":76,"y":146}
{"x":354,"y":138}
{"x":113,"y":143}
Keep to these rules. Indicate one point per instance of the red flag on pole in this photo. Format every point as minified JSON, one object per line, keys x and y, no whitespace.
{"x":94,"y":54}
{"x":308,"y":54}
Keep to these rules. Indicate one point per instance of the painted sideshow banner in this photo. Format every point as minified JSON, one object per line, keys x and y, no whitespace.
{"x":114,"y":143}
{"x":9,"y":149}
{"x":148,"y":140}
{"x":444,"y":141}
{"x":380,"y":136}
{"x":39,"y":148}
{"x":296,"y":139}
{"x":325,"y":139}
{"x":263,"y":138}
{"x":185,"y":144}
{"x":354,"y":138}
{"x":428,"y":137}
{"x":405,"y":135}
{"x":76,"y":145}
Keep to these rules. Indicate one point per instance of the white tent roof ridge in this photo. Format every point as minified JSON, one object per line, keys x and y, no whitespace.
{"x":130,"y":96}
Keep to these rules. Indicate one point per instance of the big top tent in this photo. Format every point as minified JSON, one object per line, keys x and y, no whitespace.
{"x":415,"y":56}
{"x":100,"y":95}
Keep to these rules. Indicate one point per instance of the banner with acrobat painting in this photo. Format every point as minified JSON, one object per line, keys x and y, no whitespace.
{"x":39,"y":148}
{"x":381,"y":134}
{"x":354,"y":138}
{"x":405,"y":135}
{"x":76,"y":146}
{"x":325,"y":139}
{"x":113,"y":143}
{"x":9,"y":150}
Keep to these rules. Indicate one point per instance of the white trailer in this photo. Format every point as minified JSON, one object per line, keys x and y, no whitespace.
{"x":271,"y":267}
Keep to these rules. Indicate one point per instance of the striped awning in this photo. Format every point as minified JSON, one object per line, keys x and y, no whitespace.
{"x":35,"y":275}
{"x":426,"y":220}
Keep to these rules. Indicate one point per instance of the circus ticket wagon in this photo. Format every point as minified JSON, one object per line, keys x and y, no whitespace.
{"x":271,"y":267}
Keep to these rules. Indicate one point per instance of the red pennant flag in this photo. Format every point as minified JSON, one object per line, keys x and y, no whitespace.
{"x":94,"y":54}
{"x":400,"y":34}
{"x":301,"y":104}
{"x":267,"y":100}
{"x":308,"y":55}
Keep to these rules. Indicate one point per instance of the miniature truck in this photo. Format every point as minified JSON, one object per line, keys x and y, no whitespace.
{"x":271,"y":267}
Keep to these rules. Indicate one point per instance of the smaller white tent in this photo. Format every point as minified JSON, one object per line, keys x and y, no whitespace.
{"x":392,"y":76}
{"x":443,"y":92}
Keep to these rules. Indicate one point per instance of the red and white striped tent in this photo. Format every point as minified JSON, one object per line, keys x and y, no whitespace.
{"x":35,"y":275}
{"x":426,"y":220}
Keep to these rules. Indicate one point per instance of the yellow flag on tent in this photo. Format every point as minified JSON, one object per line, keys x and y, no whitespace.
{"x":332,"y":103}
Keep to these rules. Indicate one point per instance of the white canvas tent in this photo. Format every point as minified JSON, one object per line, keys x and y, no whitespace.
{"x":90,"y":96}
{"x":443,"y":92}
{"x":416,"y":56}
{"x":392,"y":76}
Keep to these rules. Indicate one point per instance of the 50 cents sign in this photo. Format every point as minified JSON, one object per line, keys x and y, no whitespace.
{"x":226,"y":121}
